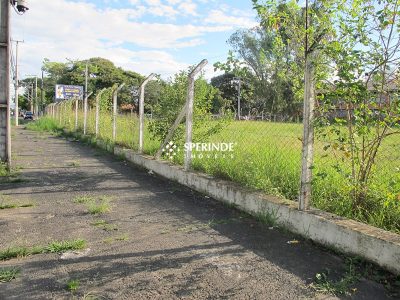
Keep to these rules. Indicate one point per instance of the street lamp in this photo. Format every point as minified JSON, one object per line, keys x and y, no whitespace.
{"x":238,"y":82}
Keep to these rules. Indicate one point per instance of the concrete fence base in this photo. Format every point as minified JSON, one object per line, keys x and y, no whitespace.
{"x":371,"y":243}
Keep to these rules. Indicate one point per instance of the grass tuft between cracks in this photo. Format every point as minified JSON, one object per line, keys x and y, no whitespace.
{"x":268,"y":218}
{"x":98,"y":207}
{"x":58,"y":247}
{"x":341,"y":287}
{"x":53,"y":247}
{"x":11,"y":206}
{"x":105,"y":225}
{"x":95,"y":205}
{"x":8,"y":274}
{"x":73,"y":285}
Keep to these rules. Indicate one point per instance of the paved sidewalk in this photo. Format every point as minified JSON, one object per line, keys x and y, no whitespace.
{"x":162,"y":240}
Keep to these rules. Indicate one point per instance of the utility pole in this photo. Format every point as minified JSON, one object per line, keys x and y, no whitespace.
{"x":31,"y":97}
{"x":238,"y":81}
{"x":16,"y":82}
{"x":5,"y":128}
{"x":41,"y":91}
{"x":36,"y":98}
{"x":34,"y":105}
{"x":5,"y":124}
{"x":86,"y":78}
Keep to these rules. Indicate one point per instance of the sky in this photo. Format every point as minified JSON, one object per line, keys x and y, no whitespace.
{"x":145,"y":36}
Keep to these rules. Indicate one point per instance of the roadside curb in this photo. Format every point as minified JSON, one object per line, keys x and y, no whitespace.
{"x":371,"y":243}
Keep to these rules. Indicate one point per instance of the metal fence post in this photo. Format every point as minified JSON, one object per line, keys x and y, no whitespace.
{"x":76,"y":113}
{"x":189,"y":113}
{"x":64,"y":112}
{"x":115,"y":97}
{"x":141,"y":112}
{"x":184,"y":110}
{"x":85,"y":110}
{"x":171,"y":131}
{"x":98,"y":111}
{"x":59,"y":109}
{"x":56,"y":110}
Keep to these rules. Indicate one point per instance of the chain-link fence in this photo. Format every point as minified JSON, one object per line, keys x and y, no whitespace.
{"x":259,"y":149}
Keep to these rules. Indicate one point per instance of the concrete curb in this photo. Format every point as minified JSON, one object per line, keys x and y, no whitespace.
{"x":374,"y":244}
{"x":371,"y":243}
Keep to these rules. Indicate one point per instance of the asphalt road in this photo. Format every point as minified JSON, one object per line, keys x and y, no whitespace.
{"x":162,"y":240}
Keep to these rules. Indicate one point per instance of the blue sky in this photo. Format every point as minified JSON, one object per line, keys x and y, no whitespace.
{"x":160,"y":36}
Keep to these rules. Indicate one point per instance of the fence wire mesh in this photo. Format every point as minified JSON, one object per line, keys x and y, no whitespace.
{"x":259,"y":150}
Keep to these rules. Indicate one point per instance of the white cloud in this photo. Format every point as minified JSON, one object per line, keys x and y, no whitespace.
{"x":82,"y":21}
{"x":188,"y":8}
{"x":59,"y":29}
{"x":219,"y":17}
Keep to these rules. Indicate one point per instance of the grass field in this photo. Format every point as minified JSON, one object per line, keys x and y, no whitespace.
{"x":267,"y":157}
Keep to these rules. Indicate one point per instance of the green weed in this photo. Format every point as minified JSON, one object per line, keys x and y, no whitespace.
{"x":83,"y":199}
{"x":73,"y":164}
{"x":269,"y":218}
{"x":95,"y":205}
{"x":99,"y":223}
{"x":98,"y":207}
{"x":63,"y":246}
{"x":123,"y":237}
{"x":8,"y":206}
{"x":53,"y":247}
{"x":3,"y":170}
{"x":8,"y":274}
{"x":73,"y":285}
{"x":11,"y":206}
{"x":105,"y":225}
{"x":339,"y":287}
{"x":18,"y":252}
{"x":119,"y":238}
{"x":214,"y":222}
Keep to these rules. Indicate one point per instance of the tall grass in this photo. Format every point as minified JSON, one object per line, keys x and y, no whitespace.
{"x":267,"y":157}
{"x":45,"y":124}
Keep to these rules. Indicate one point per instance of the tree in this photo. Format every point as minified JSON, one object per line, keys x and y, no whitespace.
{"x":270,"y":69}
{"x":103,"y":74}
{"x":366,"y":88}
{"x":23,"y":103}
{"x":302,"y":34}
{"x":172,"y":100}
{"x":226,"y":97}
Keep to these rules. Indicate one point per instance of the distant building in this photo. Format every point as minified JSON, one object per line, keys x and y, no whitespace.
{"x":381,"y":98}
